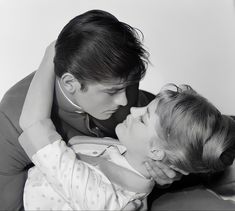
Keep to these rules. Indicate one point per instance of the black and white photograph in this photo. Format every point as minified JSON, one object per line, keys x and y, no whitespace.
{"x":117,"y":105}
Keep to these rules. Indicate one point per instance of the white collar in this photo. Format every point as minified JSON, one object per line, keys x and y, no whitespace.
{"x":116,"y":156}
{"x":78,"y":108}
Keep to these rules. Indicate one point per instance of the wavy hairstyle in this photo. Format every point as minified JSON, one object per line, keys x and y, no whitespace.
{"x":96,"y":47}
{"x":197,"y":137}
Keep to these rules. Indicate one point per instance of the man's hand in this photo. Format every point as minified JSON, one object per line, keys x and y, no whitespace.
{"x":133,"y":205}
{"x":163,"y":174}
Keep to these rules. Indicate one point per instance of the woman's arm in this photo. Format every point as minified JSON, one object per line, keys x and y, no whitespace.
{"x":40,"y":138}
{"x":38,"y":102}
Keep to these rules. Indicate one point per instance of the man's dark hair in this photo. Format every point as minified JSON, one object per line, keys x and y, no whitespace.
{"x":96,"y":47}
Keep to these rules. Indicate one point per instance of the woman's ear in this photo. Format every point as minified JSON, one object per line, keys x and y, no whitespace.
{"x":156,"y":154}
{"x":70,"y":83}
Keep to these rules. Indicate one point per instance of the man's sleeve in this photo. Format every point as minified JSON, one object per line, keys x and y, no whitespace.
{"x":12,"y":157}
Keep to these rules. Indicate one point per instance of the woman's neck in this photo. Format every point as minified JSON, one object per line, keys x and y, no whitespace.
{"x":137,"y":164}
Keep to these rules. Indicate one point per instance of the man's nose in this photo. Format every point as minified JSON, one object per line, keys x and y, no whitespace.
{"x":138,"y":111}
{"x":121,"y":99}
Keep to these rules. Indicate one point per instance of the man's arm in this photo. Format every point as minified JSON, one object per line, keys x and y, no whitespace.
{"x":163,"y":174}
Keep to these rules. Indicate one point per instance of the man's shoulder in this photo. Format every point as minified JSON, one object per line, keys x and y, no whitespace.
{"x":12,"y":102}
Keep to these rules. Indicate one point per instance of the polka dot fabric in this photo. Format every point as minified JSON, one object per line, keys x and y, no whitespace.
{"x":59,"y":181}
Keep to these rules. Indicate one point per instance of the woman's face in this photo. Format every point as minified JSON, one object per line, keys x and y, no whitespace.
{"x":139,"y":129}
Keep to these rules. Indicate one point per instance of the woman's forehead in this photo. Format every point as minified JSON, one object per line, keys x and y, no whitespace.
{"x":152,"y":106}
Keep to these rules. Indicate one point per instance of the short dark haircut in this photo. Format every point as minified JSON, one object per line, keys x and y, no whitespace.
{"x":199,"y":139}
{"x":96,"y":47}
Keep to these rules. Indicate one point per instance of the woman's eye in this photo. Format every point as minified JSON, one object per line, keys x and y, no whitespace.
{"x":142,"y":119}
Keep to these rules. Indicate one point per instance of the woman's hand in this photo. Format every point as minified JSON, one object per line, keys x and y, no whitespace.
{"x":38,"y":101}
{"x":48,"y":58}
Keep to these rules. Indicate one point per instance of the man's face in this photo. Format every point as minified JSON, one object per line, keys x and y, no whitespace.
{"x":102,"y":100}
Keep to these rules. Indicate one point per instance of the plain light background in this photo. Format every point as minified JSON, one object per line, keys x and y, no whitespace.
{"x":189,"y":41}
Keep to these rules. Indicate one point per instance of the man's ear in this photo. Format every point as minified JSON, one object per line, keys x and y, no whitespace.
{"x":156,"y":154}
{"x":70,"y":83}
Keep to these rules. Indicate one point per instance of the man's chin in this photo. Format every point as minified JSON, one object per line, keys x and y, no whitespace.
{"x":103,"y":116}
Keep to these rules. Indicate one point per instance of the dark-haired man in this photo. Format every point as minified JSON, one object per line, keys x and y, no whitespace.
{"x":99,"y":62}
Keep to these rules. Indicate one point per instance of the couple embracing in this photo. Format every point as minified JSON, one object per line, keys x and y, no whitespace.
{"x":85,"y":90}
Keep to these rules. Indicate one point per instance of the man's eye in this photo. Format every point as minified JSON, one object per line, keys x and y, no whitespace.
{"x":111,"y":93}
{"x":115,"y":92}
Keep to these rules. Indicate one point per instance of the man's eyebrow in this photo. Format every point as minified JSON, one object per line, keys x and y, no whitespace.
{"x":114,"y":89}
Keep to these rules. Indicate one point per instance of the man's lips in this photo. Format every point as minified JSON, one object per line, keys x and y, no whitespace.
{"x":111,"y":111}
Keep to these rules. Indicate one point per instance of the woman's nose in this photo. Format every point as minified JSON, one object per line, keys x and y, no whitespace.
{"x":137,"y":111}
